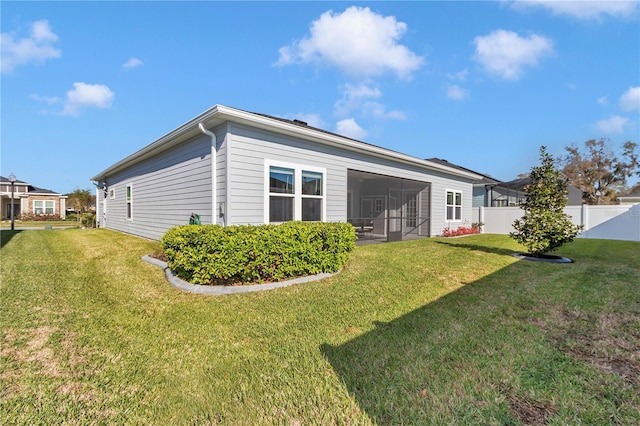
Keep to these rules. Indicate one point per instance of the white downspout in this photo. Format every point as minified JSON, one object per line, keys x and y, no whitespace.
{"x":214,"y":152}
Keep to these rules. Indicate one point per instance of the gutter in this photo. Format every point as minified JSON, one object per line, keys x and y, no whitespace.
{"x":214,"y":157}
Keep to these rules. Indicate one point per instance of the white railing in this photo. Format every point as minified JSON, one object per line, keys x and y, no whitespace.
{"x":605,"y":222}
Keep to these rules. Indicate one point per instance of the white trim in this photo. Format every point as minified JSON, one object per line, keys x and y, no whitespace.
{"x":297,"y":187}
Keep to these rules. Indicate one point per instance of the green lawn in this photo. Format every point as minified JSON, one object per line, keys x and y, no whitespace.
{"x":435,"y":331}
{"x":6,"y":224}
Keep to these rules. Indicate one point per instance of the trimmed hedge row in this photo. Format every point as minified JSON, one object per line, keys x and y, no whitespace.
{"x":214,"y":255}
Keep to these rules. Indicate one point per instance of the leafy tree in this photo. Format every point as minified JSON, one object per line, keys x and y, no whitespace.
{"x":598,"y":172}
{"x":544,"y":226}
{"x":81,"y":200}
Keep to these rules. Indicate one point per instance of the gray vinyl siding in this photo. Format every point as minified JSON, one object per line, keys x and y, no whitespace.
{"x":166,"y":189}
{"x":249,"y":148}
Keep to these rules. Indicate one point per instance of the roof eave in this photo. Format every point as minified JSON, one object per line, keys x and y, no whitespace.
{"x":220,"y":113}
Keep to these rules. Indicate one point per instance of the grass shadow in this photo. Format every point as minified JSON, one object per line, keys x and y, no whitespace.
{"x":6,"y":236}
{"x":482,"y":352}
{"x":476,"y":247}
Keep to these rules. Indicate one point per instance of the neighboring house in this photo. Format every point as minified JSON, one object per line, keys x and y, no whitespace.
{"x":491,"y":192}
{"x":28,"y":199}
{"x":505,"y":194}
{"x":234,"y":167}
{"x":481,"y":186}
{"x":630,"y":199}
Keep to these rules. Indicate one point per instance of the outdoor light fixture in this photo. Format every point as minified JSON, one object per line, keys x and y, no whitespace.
{"x":12,"y":179}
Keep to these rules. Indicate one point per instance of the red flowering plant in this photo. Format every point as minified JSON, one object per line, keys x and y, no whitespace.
{"x":475,"y":228}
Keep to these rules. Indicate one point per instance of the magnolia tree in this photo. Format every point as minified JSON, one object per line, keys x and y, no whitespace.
{"x":544,"y":226}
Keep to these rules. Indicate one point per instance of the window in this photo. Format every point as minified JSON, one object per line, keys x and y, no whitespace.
{"x":43,"y":207}
{"x":281,"y":183}
{"x":412,"y":210}
{"x":454,"y":205}
{"x":294,"y":193}
{"x":379,"y":205}
{"x":311,"y":196}
{"x":129,"y":202}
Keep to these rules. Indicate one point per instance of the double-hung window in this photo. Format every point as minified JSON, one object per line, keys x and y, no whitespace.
{"x":294,"y":192}
{"x":454,"y":205}
{"x":281,"y":194}
{"x":311,"y":196}
{"x":43,"y":207}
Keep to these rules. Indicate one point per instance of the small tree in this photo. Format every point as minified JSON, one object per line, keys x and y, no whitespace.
{"x":544,"y":226}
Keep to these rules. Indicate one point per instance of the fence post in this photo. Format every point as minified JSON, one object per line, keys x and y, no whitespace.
{"x":584,"y":219}
{"x":481,"y":218}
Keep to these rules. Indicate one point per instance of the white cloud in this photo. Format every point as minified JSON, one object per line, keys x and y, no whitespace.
{"x":602,"y":100}
{"x":353,"y":97}
{"x":313,"y":120}
{"x":358,"y":98}
{"x":132,"y":63}
{"x":580,"y":9}
{"x":377,"y":110}
{"x":459,"y":76}
{"x":80,"y":97}
{"x":46,"y":99}
{"x":612,"y":125}
{"x":630,"y":100}
{"x":36,"y":47}
{"x":506,"y":54}
{"x":357,"y":41}
{"x":349,"y":128}
{"x":457,"y":93}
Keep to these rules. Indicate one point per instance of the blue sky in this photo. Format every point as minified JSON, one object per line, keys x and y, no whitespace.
{"x":481,"y":84}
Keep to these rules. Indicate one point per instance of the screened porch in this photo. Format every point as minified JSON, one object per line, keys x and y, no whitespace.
{"x":387,"y":208}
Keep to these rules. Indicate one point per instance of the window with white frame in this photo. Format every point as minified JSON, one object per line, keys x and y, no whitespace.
{"x":312,"y":195}
{"x":378,"y":205}
{"x":454,"y":205}
{"x":43,"y":207}
{"x":294,"y":193}
{"x":281,"y":194}
{"x":129,"y":200}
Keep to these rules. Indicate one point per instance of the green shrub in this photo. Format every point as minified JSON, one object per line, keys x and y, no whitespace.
{"x":89,"y":220}
{"x":544,"y":227}
{"x":211,"y":254}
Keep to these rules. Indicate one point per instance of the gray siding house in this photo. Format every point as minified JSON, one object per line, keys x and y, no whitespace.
{"x":233,"y":167}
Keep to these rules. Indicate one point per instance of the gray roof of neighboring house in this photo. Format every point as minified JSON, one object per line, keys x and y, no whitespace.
{"x":31,"y":189}
{"x":634,"y":195}
{"x":6,"y":180}
{"x":36,"y":190}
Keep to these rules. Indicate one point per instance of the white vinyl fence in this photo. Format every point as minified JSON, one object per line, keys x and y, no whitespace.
{"x":605,"y":222}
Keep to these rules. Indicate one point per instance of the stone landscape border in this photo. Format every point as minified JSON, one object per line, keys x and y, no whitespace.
{"x":220,"y":290}
{"x":549,"y":258}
